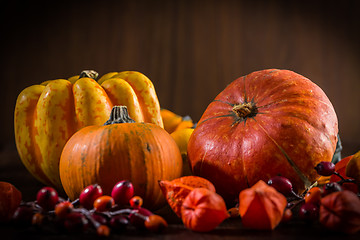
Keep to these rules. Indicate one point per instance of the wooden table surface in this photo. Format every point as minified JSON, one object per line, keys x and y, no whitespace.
{"x":12,"y":170}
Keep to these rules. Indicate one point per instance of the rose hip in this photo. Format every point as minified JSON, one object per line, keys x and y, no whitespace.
{"x":330,"y":188}
{"x":325,"y":168}
{"x":99,"y":218}
{"x":76,"y":222}
{"x":287,"y":216}
{"x":23,"y":215}
{"x":136,"y":202}
{"x":47,"y":198}
{"x":103,"y":203}
{"x":37,"y":219}
{"x":138,"y":216}
{"x":118,"y":223}
{"x":155,"y":223}
{"x":63,"y":209}
{"x":309,"y":212}
{"x":122,"y":192}
{"x":89,"y":195}
{"x":282,"y":185}
{"x":103,"y":231}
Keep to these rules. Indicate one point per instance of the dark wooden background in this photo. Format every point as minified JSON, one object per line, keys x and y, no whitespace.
{"x":189,"y":49}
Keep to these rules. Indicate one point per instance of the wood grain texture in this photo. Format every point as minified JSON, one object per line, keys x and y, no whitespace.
{"x":190,"y":49}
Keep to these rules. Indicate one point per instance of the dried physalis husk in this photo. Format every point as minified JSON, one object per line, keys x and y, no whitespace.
{"x":203,"y":210}
{"x":340,"y":211}
{"x":261,"y":206}
{"x":353,"y":167}
{"x":10,"y":198}
{"x":176,"y":191}
{"x":175,"y":194}
{"x":194,"y":182}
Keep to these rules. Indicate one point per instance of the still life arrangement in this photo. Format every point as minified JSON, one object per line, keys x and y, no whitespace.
{"x":264,"y":150}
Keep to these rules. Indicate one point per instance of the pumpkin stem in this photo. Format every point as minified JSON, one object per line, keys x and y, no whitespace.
{"x":244,"y":110}
{"x":89,"y":73}
{"x":119,"y":114}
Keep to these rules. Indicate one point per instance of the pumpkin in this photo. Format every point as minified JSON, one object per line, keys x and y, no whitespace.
{"x":173,"y":122}
{"x":270,"y":122}
{"x":142,"y":153}
{"x":181,"y":138}
{"x":47,"y":115}
{"x":170,"y":119}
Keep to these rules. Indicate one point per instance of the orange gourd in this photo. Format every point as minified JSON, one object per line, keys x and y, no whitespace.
{"x":143,"y":153}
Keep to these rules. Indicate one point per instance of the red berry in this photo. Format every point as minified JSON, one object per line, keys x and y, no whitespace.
{"x":330,"y":188}
{"x":122,"y":192}
{"x":309,"y":212}
{"x":155,"y":223}
{"x":23,"y":215}
{"x":136,"y":202}
{"x":287,"y":215}
{"x":325,"y":168}
{"x":118,"y":223}
{"x":282,"y":185}
{"x":47,"y":198}
{"x":76,"y":222}
{"x":138,"y":216}
{"x":104,"y":203}
{"x":63,"y":209}
{"x":37,"y":219}
{"x":98,"y":218}
{"x":89,"y":195}
{"x":103,"y":231}
{"x":234,"y":212}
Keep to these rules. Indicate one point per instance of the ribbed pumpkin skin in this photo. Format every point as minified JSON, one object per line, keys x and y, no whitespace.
{"x":139,"y":152}
{"x":295,"y":128}
{"x":47,"y":115}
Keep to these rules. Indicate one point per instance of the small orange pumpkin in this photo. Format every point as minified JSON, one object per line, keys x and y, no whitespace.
{"x":121,"y":149}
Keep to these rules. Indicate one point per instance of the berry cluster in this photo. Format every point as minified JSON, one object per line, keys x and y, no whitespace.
{"x":309,"y":201}
{"x":92,"y":210}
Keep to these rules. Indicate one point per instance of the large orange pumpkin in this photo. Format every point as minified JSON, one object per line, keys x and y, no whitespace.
{"x":143,"y":153}
{"x":47,"y":115}
{"x":270,"y":122}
